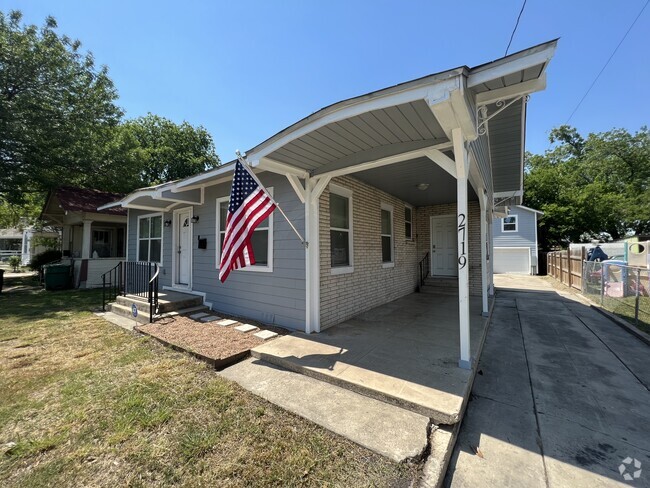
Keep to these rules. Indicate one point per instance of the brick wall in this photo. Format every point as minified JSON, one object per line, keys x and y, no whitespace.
{"x":345,"y":295}
{"x":423,"y":215}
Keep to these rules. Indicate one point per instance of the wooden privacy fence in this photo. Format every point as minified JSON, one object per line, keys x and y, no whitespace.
{"x":566,"y":266}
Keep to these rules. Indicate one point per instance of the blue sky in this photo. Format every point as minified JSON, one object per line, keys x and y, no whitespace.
{"x":247,"y":69}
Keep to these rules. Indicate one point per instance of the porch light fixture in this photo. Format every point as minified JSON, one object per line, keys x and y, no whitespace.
{"x":195,"y":219}
{"x":422,"y":186}
{"x":168,"y":223}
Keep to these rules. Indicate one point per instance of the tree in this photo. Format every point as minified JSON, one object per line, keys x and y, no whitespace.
{"x":590,"y":188}
{"x":160,"y":150}
{"x":56,"y":109}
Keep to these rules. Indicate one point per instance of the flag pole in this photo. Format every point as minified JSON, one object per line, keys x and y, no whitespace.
{"x":249,"y":169}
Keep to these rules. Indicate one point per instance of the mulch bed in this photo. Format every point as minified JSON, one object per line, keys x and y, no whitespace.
{"x":219,"y":346}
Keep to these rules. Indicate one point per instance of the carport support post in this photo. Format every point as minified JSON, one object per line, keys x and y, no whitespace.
{"x":484,"y":244}
{"x":462,"y":170}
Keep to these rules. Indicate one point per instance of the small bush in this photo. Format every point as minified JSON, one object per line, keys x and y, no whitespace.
{"x":14,"y":262}
{"x":41,"y":259}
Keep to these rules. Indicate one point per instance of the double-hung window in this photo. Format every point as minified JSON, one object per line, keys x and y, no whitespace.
{"x":387,"y":257}
{"x":150,"y":238}
{"x":262,"y":239}
{"x":341,"y":230}
{"x":509,"y":224}
{"x":408,"y":223}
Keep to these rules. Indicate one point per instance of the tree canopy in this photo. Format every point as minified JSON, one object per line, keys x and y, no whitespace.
{"x":598,"y":187}
{"x":59,"y":124}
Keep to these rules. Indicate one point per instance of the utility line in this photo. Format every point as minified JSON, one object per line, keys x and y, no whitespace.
{"x":515,"y":29}
{"x":606,"y":63}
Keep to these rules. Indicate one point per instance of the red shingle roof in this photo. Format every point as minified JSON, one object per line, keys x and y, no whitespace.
{"x":86,"y":200}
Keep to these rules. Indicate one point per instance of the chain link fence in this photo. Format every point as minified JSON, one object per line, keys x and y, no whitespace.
{"x":621,"y":289}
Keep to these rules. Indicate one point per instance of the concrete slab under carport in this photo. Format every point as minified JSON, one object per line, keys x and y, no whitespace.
{"x":404,"y":353}
{"x":561,"y":397}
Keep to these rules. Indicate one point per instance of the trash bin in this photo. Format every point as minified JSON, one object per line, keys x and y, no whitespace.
{"x":2,"y":278}
{"x":57,"y":276}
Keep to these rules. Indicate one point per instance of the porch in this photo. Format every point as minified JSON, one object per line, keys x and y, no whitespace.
{"x":404,"y":353}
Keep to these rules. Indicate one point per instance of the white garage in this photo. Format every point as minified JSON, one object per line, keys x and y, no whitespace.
{"x":512,"y":260}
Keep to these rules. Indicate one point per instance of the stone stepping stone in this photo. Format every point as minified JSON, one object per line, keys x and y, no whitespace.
{"x":265,"y":334}
{"x":226,"y":322}
{"x":246,"y":328}
{"x":199,"y":315}
{"x":210,"y":318}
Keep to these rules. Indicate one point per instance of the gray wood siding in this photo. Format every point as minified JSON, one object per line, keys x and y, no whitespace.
{"x":525,"y":235}
{"x":274,"y":298}
{"x":505,"y":147}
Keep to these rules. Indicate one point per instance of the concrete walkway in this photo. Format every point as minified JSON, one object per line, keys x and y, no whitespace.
{"x":561,"y":398}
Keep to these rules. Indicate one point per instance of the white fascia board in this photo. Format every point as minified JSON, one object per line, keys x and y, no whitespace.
{"x":530,"y":209}
{"x":508,"y":194}
{"x":518,"y":63}
{"x":110,"y":205}
{"x":512,"y":91}
{"x":435,"y":90}
{"x":201,"y":179}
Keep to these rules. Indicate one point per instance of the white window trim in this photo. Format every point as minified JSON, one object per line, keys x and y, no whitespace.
{"x":347,"y":193}
{"x":408,"y":238}
{"x":162,"y":236}
{"x":250,"y":269}
{"x":388,"y":208}
{"x":503,"y":224}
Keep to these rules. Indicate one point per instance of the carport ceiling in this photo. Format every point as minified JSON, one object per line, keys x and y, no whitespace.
{"x":401,"y":180}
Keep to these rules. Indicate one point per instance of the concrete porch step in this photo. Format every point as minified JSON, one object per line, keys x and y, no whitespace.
{"x":168,"y":301}
{"x":300,"y":354}
{"x":126,"y":312}
{"x":441,"y":282}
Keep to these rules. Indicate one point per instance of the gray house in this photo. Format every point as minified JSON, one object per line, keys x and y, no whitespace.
{"x":515,"y":241}
{"x":393,"y":190}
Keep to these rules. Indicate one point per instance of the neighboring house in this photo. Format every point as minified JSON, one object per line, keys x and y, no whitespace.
{"x":93,"y":241}
{"x":515,"y":241}
{"x":11,"y":241}
{"x":31,"y":245}
{"x":376,"y":184}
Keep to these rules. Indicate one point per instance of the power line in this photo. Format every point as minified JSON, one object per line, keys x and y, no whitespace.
{"x":606,"y":63}
{"x":515,"y":29}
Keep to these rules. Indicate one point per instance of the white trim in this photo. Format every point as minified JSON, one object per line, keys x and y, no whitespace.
{"x":162,"y":237}
{"x":530,"y":209}
{"x":523,"y":88}
{"x":175,"y":243}
{"x":516,"y":222}
{"x":536,"y":248}
{"x":200,"y":178}
{"x":345,"y":193}
{"x":410,"y":207}
{"x":388,"y":208}
{"x":270,"y":239}
{"x":274,"y":166}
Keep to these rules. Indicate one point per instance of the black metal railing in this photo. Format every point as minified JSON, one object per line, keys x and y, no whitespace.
{"x":112,"y":285}
{"x":425,"y":268}
{"x":138,"y":278}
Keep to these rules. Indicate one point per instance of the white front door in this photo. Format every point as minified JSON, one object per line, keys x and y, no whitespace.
{"x":183,"y":247}
{"x":444,"y":244}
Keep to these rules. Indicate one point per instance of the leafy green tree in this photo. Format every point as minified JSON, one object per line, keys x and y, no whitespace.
{"x":590,"y":188}
{"x":56,"y":108}
{"x":160,"y":150}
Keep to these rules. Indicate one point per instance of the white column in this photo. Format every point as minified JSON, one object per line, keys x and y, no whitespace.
{"x":484,"y":263}
{"x":462,"y":167}
{"x":491,"y":238}
{"x":85,"y":239}
{"x":312,"y":258}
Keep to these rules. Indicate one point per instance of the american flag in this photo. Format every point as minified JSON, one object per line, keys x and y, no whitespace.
{"x":249,"y":205}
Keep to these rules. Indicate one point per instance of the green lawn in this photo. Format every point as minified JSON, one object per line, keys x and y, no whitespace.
{"x":89,"y":404}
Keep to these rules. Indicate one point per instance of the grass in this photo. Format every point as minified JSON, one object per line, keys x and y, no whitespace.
{"x":85,"y":403}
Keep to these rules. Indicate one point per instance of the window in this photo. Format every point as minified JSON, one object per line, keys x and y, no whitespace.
{"x":509,"y":224}
{"x":408,"y":222}
{"x":262,"y":240}
{"x":387,"y":235}
{"x":150,"y":238}
{"x":340,"y":230}
{"x":102,"y":243}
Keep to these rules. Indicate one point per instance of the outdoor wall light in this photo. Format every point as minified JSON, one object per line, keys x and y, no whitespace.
{"x":195,"y":219}
{"x":422,"y":186}
{"x":168,"y":223}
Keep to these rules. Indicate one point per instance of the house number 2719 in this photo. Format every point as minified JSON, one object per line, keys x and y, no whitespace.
{"x":462,"y":229}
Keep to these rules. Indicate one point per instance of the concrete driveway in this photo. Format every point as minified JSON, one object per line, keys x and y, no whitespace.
{"x":561,"y":398}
